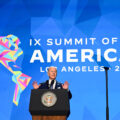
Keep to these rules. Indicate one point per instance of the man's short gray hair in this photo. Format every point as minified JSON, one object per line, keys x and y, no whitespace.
{"x":52,"y":67}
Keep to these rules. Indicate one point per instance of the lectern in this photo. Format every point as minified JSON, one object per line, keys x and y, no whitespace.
{"x":46,"y":104}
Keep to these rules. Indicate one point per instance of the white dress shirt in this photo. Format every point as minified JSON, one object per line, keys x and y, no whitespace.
{"x":53,"y":84}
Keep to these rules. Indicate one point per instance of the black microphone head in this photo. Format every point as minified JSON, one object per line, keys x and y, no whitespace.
{"x":106,"y":68}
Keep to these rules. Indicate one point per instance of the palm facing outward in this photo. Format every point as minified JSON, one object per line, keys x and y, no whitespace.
{"x":65,"y":85}
{"x":35,"y":85}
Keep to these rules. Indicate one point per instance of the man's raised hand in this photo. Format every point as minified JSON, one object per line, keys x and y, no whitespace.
{"x":35,"y":85}
{"x":65,"y":85}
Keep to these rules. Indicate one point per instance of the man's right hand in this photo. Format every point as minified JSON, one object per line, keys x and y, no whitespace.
{"x":35,"y":85}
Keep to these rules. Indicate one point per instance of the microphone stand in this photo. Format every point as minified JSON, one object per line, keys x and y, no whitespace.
{"x":107,"y":105}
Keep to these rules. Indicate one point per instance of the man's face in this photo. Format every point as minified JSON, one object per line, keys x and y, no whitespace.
{"x":52,"y":73}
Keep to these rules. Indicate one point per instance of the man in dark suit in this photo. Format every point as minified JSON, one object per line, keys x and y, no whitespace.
{"x":52,"y":83}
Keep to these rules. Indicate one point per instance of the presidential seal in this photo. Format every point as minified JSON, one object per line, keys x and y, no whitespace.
{"x":48,"y":99}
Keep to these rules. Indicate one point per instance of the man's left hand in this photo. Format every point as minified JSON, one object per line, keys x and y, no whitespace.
{"x":65,"y":85}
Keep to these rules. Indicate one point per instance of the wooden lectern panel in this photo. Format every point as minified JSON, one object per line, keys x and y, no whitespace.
{"x":36,"y":117}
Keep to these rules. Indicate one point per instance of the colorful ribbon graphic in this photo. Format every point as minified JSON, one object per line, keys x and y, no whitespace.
{"x":9,"y":52}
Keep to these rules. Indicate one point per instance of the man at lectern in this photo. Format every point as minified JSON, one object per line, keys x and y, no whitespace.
{"x":52,"y":83}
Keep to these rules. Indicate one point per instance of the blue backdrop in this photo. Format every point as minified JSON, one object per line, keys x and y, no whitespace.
{"x":29,"y":19}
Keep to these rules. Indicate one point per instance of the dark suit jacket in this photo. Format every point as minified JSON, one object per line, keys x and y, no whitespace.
{"x":45,"y":85}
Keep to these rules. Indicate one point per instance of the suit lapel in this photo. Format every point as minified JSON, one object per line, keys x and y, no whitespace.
{"x":58,"y":85}
{"x":47,"y":84}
